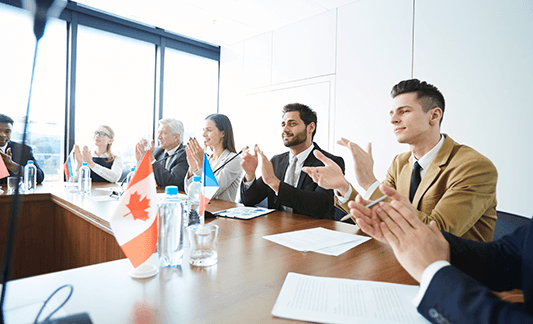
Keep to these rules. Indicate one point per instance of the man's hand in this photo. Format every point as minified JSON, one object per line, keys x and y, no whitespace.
{"x":249,"y":163}
{"x":415,"y":244}
{"x":8,"y":161}
{"x":366,"y":218}
{"x":267,"y":172}
{"x":329,"y":176}
{"x":364,"y":164}
{"x":140,"y":148}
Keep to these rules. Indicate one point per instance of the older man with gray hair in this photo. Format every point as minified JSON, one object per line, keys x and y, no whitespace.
{"x":169,"y":160}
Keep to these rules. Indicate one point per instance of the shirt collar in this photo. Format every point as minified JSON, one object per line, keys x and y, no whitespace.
{"x":4,"y":148}
{"x":303,"y":155}
{"x":173,"y":150}
{"x":104,"y":155}
{"x":426,"y":160}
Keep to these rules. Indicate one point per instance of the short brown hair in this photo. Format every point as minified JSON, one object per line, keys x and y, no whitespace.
{"x":430,"y":97}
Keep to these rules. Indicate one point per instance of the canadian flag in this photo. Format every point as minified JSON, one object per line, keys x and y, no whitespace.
{"x":209,"y":185}
{"x":134,"y":222}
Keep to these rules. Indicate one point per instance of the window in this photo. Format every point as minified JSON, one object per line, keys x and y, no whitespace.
{"x":190,"y":90}
{"x":114,"y":87}
{"x":47,"y":109}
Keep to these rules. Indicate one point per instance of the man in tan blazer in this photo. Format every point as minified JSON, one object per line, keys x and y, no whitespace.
{"x":458,"y":185}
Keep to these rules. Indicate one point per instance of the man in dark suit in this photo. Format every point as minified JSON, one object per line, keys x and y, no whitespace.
{"x":456,"y":275}
{"x":15,"y":156}
{"x":282,"y":181}
{"x":169,"y":160}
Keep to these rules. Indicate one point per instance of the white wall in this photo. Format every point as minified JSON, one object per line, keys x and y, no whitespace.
{"x":343,"y":64}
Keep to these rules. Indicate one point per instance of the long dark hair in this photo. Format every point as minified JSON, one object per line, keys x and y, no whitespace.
{"x":224,"y":125}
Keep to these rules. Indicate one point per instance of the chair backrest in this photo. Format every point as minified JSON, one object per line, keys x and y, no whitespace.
{"x":507,"y":223}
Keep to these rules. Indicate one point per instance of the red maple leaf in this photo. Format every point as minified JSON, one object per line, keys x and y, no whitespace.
{"x":138,"y":207}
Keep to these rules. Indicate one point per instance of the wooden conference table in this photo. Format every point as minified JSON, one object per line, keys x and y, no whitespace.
{"x":241,"y":288}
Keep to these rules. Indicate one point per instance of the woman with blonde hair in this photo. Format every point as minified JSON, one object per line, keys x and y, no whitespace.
{"x":104,"y":165}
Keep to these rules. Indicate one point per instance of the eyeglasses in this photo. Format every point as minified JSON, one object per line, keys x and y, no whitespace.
{"x":101,"y":134}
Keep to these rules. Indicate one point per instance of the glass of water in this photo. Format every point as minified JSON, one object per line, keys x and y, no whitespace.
{"x":203,"y":247}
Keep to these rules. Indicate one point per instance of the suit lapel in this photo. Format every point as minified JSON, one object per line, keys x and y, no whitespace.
{"x":434,"y":170}
{"x":310,"y":161}
{"x":284,"y":163}
{"x":174,"y":157}
{"x":404,"y":179}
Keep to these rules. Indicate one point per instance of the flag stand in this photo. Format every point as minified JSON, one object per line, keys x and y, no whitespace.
{"x":145,"y":270}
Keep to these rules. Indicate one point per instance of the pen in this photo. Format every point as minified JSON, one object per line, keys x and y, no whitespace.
{"x":367,"y":206}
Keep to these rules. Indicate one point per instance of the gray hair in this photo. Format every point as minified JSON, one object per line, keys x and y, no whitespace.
{"x":175,"y":126}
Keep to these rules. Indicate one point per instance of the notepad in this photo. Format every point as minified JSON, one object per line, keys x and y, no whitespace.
{"x":244,"y":212}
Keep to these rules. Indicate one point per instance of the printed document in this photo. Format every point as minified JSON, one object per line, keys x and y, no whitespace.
{"x":334,"y":300}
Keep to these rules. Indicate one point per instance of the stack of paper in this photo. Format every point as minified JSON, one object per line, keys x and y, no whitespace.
{"x":334,"y":300}
{"x":318,"y":240}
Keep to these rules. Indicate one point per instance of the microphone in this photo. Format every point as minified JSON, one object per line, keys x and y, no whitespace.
{"x":42,"y":10}
{"x":166,"y":157}
{"x":228,"y":161}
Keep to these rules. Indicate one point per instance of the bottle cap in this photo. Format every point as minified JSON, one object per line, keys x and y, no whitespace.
{"x":132,"y":169}
{"x":171,"y":190}
{"x":84,"y":164}
{"x":196,"y":179}
{"x":30,"y":162}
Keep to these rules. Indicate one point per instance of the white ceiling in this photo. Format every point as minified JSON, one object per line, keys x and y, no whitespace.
{"x":220,"y":22}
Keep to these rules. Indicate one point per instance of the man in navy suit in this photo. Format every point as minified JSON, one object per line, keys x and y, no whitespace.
{"x":457,"y":276}
{"x":169,"y":160}
{"x":282,"y":181}
{"x":15,"y":156}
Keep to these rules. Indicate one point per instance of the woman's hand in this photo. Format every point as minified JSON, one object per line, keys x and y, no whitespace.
{"x":77,"y":156}
{"x":86,"y":157}
{"x":195,"y":155}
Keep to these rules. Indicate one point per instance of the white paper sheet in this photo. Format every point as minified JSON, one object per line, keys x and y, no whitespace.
{"x":334,"y":300}
{"x":319,"y":240}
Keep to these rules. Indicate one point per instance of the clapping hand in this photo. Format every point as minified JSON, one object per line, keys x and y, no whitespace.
{"x":329,"y":176}
{"x":364,"y":164}
{"x":415,"y":244}
{"x":249,"y":163}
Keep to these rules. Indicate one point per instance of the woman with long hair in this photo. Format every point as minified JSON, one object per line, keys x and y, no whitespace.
{"x":217,"y":134}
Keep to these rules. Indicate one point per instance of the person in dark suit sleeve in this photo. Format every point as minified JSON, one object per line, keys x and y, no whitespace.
{"x":456,"y":275}
{"x":15,"y":156}
{"x":169,"y":160}
{"x":285,"y":186}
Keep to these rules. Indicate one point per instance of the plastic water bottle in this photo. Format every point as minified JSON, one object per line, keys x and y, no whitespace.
{"x":30,"y":177}
{"x":193,"y":202}
{"x":84,"y":179}
{"x":172,"y":227}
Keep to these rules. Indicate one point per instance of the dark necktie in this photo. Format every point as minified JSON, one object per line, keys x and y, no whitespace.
{"x":415,"y":180}
{"x":165,"y":159}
